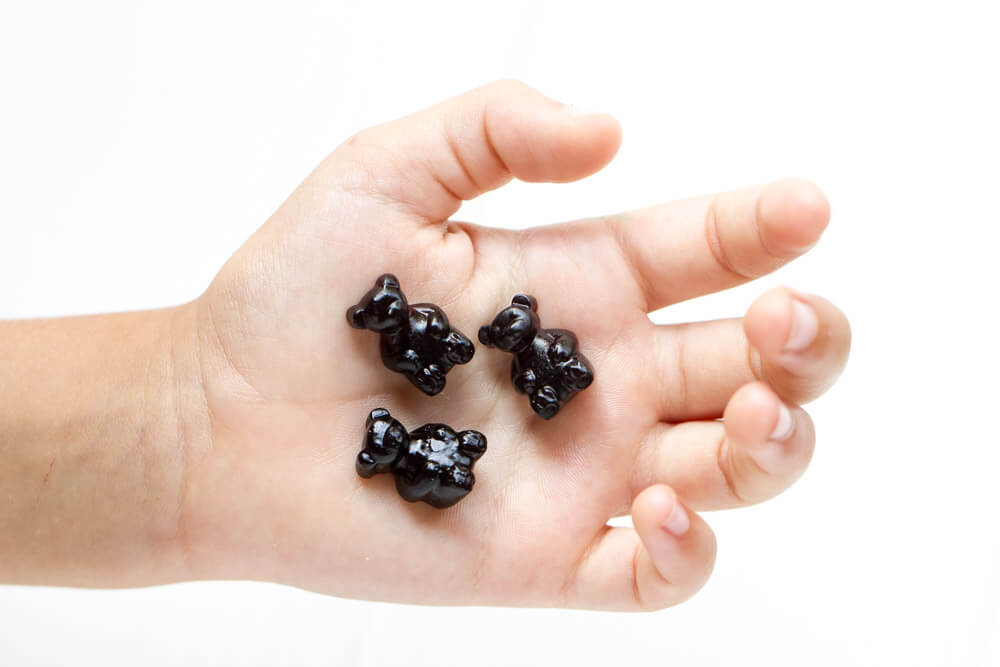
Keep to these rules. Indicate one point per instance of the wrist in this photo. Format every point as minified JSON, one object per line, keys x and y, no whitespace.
{"x":180,"y":410}
{"x":96,"y":426}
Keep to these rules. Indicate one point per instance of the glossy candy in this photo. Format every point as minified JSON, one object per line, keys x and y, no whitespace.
{"x":432,"y":464}
{"x":547,"y":365}
{"x":417,"y":340}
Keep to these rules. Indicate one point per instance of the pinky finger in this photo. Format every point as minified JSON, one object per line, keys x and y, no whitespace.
{"x":663,"y":561}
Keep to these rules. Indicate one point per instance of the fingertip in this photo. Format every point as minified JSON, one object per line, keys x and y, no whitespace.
{"x":606,"y":133}
{"x":793,"y":214}
{"x":752,"y":412}
{"x":554,"y":142}
{"x":658,"y":509}
{"x":586,"y":146}
{"x":679,"y":548}
{"x":778,"y":437}
{"x":596,"y":121}
{"x":768,"y":321}
{"x":470,"y":144}
{"x":803,"y":341}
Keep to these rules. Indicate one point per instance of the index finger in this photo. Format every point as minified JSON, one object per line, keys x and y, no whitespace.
{"x":698,"y":246}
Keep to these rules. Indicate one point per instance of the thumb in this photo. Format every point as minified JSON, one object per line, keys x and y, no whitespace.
{"x":434,"y":159}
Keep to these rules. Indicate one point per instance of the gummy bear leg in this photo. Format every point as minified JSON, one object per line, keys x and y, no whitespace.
{"x":454,"y":486}
{"x":415,"y":479}
{"x":545,"y":402}
{"x":429,"y":380}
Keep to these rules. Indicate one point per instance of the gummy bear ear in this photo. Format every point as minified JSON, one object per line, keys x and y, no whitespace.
{"x":376,"y":414}
{"x":365,"y":464}
{"x":356,"y":317}
{"x":387,"y":280}
{"x":526,"y":301}
{"x":484,"y":336}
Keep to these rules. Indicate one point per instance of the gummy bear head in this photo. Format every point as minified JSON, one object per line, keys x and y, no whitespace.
{"x":382,"y":309}
{"x":385,"y":440}
{"x":514,"y":327}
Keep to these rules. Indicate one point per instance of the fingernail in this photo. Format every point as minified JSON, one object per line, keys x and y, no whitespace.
{"x":769,"y":455}
{"x":783,"y":428}
{"x":677,"y":522}
{"x":805,"y":326}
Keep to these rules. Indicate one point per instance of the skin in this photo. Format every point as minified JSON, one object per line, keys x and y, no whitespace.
{"x":217,"y":439}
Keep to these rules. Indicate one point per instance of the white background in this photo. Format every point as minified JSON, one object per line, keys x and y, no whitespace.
{"x":141,"y":143}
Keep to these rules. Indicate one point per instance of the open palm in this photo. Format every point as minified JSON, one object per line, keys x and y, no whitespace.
{"x":274,"y":495}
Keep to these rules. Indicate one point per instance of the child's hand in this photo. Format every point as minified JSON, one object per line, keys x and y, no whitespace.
{"x":270,"y":489}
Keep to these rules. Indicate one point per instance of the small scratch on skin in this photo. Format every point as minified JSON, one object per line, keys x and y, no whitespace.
{"x":45,"y":480}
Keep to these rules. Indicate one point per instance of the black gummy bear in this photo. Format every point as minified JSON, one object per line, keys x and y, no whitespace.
{"x":417,"y":340}
{"x":432,"y":464}
{"x":547,"y":365}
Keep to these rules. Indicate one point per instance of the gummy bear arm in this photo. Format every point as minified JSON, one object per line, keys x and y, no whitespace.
{"x":582,"y":373}
{"x":524,"y":380}
{"x":564,"y":344}
{"x":429,"y":379}
{"x":472,"y":444}
{"x":398,"y":358}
